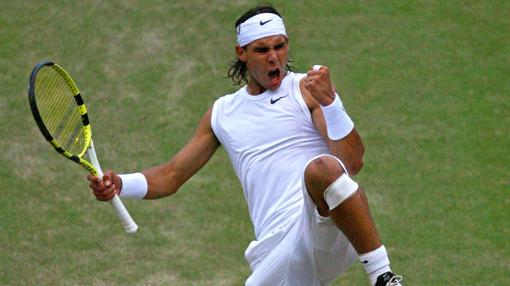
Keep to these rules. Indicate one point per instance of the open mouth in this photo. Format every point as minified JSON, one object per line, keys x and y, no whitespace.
{"x":274,"y":74}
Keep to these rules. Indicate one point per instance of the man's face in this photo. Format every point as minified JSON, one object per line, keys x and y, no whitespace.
{"x":266,"y":60}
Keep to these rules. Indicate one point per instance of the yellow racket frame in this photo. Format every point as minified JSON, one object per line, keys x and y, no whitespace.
{"x":82,"y":109}
{"x":88,"y":147}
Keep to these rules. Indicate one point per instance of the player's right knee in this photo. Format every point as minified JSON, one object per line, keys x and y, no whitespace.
{"x":323,"y":170}
{"x":340,"y":190}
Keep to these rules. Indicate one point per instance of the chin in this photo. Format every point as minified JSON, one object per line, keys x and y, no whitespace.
{"x":274,"y":86}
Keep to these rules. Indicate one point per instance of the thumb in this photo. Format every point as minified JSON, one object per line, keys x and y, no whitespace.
{"x":107,"y":181}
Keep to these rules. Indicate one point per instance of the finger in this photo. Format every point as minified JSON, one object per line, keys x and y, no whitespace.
{"x":99,"y":195}
{"x":107,"y":180}
{"x":110,"y":173}
{"x":312,"y":78}
{"x":111,"y":176}
{"x":96,"y":183}
{"x":312,"y":73}
{"x":98,"y":189}
{"x":97,"y":186}
{"x":93,"y":186}
{"x":106,"y":194}
{"x":110,"y":192}
{"x":315,"y":70}
{"x":93,"y":178}
{"x":102,"y":198}
{"x":307,"y":84}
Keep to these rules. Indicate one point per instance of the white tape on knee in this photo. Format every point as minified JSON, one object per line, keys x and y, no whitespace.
{"x":340,"y":190}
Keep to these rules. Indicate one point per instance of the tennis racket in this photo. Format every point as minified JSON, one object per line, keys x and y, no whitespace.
{"x":61,"y":115}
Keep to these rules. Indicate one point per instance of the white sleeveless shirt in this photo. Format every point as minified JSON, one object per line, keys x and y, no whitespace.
{"x":269,"y":138}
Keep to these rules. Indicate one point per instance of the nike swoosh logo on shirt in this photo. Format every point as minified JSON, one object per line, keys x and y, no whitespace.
{"x":273,"y":101}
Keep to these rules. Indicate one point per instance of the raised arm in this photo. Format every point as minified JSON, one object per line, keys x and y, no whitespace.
{"x":165,"y":179}
{"x":317,"y":90}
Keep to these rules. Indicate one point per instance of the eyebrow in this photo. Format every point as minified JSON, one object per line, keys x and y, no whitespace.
{"x":281,"y":45}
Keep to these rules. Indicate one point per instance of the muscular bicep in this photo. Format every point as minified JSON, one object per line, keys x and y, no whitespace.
{"x":166,"y":179}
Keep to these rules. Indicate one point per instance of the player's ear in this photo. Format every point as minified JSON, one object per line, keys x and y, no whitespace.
{"x":241,"y":53}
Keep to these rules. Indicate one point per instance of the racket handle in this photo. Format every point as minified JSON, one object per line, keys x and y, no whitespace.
{"x":127,"y":222}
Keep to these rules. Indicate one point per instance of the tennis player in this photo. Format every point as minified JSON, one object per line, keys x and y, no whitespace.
{"x":294,"y":149}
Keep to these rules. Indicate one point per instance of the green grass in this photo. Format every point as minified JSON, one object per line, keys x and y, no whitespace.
{"x":427,"y":83}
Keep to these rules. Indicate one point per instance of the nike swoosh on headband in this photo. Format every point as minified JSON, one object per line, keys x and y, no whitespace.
{"x":262,"y":23}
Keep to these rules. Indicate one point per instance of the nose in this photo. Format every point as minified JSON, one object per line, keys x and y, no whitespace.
{"x":272,"y":57}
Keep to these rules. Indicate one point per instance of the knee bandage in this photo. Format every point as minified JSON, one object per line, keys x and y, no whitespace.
{"x":339,"y":191}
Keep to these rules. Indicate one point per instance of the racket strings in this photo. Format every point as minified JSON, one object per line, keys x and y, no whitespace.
{"x":49,"y":88}
{"x":59,"y":111}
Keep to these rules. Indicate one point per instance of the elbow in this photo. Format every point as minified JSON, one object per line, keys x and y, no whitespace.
{"x":358,"y":163}
{"x":355,"y":167}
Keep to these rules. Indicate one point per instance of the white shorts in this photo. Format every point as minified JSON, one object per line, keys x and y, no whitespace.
{"x":309,"y":251}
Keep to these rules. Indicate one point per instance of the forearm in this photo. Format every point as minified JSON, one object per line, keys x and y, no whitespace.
{"x":350,"y":150}
{"x":331,"y":119}
{"x":346,"y":143}
{"x":166,"y":179}
{"x":161,"y":181}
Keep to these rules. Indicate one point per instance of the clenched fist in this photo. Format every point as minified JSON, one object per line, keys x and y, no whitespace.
{"x":318,"y":83}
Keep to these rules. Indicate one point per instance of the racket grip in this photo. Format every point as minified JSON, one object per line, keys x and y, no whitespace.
{"x":127,"y":222}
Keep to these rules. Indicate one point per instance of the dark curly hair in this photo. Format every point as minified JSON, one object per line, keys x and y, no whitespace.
{"x":237,"y":69}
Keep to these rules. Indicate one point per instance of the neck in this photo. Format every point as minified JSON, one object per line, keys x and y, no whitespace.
{"x":254,"y":88}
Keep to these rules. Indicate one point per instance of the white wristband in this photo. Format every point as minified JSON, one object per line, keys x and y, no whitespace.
{"x":134,"y":186}
{"x":338,"y":122}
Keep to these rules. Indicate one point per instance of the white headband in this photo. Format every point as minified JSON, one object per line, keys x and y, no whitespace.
{"x":258,"y":27}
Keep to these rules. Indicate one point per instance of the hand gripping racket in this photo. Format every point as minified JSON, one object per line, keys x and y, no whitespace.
{"x":61,"y":115}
